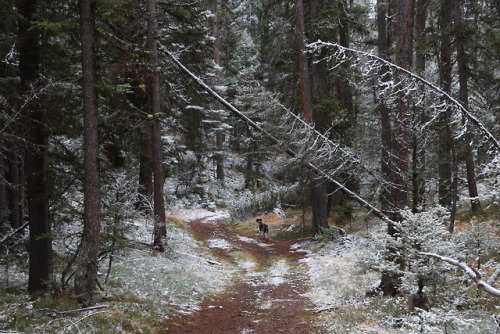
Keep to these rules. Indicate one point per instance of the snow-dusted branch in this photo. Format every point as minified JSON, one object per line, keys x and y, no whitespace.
{"x":472,"y":273}
{"x":13,"y":233}
{"x":368,"y":63}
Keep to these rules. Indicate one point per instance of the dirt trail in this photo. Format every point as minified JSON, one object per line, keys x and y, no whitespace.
{"x":266,"y":298}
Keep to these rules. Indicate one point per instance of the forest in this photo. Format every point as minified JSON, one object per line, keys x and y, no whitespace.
{"x":141,"y":139}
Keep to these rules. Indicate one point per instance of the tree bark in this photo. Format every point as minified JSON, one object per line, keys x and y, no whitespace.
{"x":304,"y":80}
{"x":219,"y":135}
{"x":40,"y":267}
{"x":445,"y":141}
{"x":318,"y":195}
{"x":146,"y":170}
{"x":463,"y":96}
{"x":87,"y":263}
{"x":160,"y":229}
{"x":418,"y":151}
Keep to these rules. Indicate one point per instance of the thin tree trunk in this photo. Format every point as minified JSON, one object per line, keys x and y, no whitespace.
{"x":418,"y":154}
{"x":160,"y":229}
{"x":4,"y":207}
{"x":464,"y":99}
{"x":87,"y":262}
{"x":445,"y":167}
{"x":304,"y":81}
{"x":40,"y":267}
{"x":219,"y":135}
{"x":146,"y":171}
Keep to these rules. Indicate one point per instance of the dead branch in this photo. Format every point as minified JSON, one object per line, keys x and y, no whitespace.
{"x":13,"y":233}
{"x":472,"y":273}
{"x":274,"y":140}
{"x":92,"y":308}
{"x":417,"y":79}
{"x":201,"y":258}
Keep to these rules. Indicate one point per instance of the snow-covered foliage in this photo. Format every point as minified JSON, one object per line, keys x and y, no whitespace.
{"x":181,"y":277}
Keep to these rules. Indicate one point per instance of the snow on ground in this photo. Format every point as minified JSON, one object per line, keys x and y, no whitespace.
{"x":336,"y":279}
{"x":182,"y":276}
{"x":207,"y":216}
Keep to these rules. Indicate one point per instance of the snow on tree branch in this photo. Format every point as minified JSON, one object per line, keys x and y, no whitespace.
{"x":413,"y":87}
{"x":312,"y":138}
{"x":472,"y":273}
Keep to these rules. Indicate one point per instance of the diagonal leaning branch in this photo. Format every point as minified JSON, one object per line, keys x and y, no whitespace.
{"x":470,"y":271}
{"x":273,"y":139}
{"x":467,"y":114}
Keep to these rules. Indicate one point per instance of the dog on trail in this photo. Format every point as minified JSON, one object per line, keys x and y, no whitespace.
{"x":263,"y":229}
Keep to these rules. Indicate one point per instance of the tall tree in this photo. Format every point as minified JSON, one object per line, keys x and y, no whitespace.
{"x":160,"y":230}
{"x":394,"y":125}
{"x":463,"y":95}
{"x":417,"y":143}
{"x":87,"y":265}
{"x":36,"y":150}
{"x":318,"y":195}
{"x":445,"y":147}
{"x":219,"y":135}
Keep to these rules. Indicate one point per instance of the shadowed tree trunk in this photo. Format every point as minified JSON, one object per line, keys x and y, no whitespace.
{"x":445,"y":141}
{"x":463,"y":93}
{"x":87,"y":265}
{"x":219,"y":135}
{"x":318,"y":194}
{"x":304,"y":80}
{"x":160,"y":229}
{"x":394,"y":130}
{"x":40,"y":266}
{"x":418,"y":150}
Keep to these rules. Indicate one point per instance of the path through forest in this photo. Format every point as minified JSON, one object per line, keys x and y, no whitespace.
{"x":266,"y":296}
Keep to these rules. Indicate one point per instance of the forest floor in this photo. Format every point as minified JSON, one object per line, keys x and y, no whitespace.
{"x":267,"y":297}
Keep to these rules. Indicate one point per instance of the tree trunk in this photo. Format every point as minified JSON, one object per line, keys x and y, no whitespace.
{"x":304,"y":81}
{"x":394,"y":153}
{"x":4,"y":207}
{"x":87,"y":263}
{"x":386,"y":128}
{"x":463,"y":96}
{"x":318,"y":195}
{"x":418,"y":150}
{"x":160,"y":229}
{"x":403,"y":57}
{"x":40,"y":267}
{"x":445,"y":141}
{"x":146,"y":171}
{"x":219,"y":135}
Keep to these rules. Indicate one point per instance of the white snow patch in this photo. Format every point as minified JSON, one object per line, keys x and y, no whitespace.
{"x":219,"y":243}
{"x":206,"y":216}
{"x":246,"y":239}
{"x":277,"y":272}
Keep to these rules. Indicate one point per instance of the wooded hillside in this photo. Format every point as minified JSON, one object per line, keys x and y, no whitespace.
{"x":343,"y":111}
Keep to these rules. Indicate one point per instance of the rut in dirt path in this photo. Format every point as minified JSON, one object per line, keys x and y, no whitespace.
{"x":267,"y":296}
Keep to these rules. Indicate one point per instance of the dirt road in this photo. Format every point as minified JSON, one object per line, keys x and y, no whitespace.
{"x":266,"y":296}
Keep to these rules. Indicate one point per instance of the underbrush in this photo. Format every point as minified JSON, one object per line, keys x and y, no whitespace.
{"x":142,"y":291}
{"x":342,"y":271}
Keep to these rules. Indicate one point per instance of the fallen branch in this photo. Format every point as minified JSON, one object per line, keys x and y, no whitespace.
{"x":201,"y":258}
{"x":92,"y":308}
{"x":274,"y":140}
{"x":476,"y":277}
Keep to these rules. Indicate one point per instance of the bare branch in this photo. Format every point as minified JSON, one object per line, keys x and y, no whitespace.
{"x":368,"y":63}
{"x":472,"y":273}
